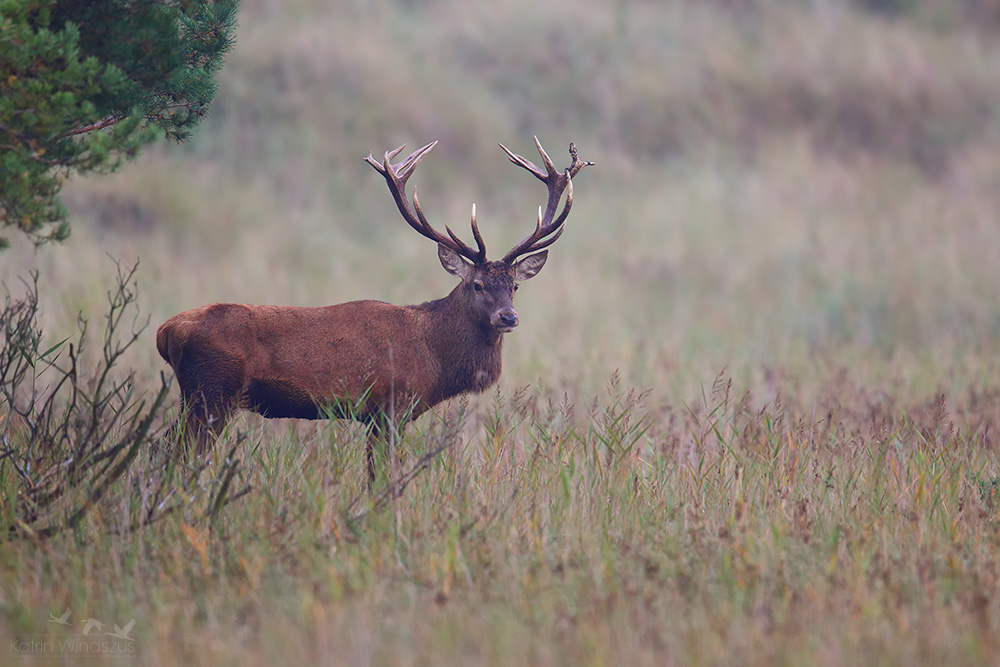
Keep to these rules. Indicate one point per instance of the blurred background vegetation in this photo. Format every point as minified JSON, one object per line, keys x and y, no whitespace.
{"x":791,"y":197}
{"x":783,"y":188}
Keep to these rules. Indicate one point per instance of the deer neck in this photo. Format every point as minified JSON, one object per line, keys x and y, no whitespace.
{"x":468,"y":353}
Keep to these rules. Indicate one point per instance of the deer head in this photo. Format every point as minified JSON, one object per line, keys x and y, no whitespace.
{"x":487,"y":287}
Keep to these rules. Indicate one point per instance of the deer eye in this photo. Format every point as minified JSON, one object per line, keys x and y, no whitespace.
{"x":477,"y":285}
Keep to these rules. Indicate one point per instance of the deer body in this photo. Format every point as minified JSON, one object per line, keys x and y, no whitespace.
{"x":364,"y":360}
{"x":364,"y":357}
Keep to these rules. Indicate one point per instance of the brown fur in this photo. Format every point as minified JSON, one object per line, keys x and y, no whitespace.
{"x":364,"y":360}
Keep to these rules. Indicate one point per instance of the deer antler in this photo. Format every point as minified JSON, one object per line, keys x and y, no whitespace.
{"x":396,"y":176}
{"x":547,"y":229}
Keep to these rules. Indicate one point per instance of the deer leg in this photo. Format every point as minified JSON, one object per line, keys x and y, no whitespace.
{"x":381,"y":430}
{"x":203,"y":422}
{"x":206,"y":423}
{"x":377,"y":431}
{"x":370,"y":457}
{"x":210,"y":392}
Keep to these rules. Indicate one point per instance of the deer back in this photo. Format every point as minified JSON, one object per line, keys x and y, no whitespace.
{"x":282,"y":361}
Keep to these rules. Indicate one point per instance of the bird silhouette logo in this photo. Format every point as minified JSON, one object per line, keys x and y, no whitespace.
{"x":122,"y":633}
{"x":90,"y":624}
{"x":62,"y":620}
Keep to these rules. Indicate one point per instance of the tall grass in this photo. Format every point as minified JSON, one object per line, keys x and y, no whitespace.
{"x":555,"y":532}
{"x":799,"y":195}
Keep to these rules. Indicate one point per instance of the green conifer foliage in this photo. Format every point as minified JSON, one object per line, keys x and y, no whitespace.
{"x":84,"y":85}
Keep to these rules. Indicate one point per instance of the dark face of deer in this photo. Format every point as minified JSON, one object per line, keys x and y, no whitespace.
{"x":488,"y":287}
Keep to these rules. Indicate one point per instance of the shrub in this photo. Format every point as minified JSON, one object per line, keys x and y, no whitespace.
{"x":69,"y":432}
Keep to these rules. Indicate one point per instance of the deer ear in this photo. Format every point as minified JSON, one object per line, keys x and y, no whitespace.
{"x":453,"y":262}
{"x":530,"y":265}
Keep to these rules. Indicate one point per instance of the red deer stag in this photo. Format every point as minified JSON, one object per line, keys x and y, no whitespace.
{"x":365,"y":360}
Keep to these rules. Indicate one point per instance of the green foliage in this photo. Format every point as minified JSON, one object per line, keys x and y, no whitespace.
{"x":84,"y":85}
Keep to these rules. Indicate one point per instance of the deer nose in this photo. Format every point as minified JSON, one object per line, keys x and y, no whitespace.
{"x":507,"y":319}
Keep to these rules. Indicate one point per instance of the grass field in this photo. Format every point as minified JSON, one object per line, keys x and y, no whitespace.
{"x":750,"y":415}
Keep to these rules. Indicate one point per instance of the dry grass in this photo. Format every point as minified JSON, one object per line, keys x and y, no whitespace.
{"x":802,"y":194}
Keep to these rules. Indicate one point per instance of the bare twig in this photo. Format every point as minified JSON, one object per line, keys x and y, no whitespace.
{"x":81,"y":431}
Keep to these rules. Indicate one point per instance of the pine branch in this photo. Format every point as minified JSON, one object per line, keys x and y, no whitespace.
{"x":99,"y":125}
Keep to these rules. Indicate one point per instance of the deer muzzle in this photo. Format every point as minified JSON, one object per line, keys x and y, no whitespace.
{"x":504,"y":320}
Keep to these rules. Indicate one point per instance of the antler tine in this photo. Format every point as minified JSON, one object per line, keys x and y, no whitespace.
{"x":406,"y":168}
{"x":391,"y":155}
{"x":525,"y":163}
{"x":556,"y":228}
{"x":475,"y":234}
{"x":396,"y":177}
{"x":546,"y":242}
{"x":544,"y":235}
{"x":455,"y":243}
{"x":549,"y":226}
{"x":546,"y":160}
{"x":538,"y":227}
